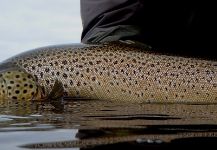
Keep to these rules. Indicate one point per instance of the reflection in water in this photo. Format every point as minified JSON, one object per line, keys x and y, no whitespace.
{"x":93,"y":124}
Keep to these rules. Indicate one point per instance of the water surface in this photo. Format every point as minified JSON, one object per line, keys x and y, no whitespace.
{"x":92,"y":124}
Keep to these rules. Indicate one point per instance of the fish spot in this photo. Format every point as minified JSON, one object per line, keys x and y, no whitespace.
{"x":29,"y":76}
{"x":17,"y":91}
{"x":33,"y":67}
{"x":106,"y":60}
{"x":39,"y":65}
{"x":152,"y":65}
{"x":12,"y":82}
{"x":25,"y":84}
{"x":89,"y":54}
{"x":24,"y":79}
{"x":123,"y":90}
{"x":25,"y":65}
{"x":77,"y":92}
{"x":65,"y":75}
{"x":93,"y":78}
{"x":168,"y":64}
{"x":14,"y":97}
{"x":64,"y":62}
{"x":9,"y":87}
{"x":47,"y":70}
{"x":80,"y":66}
{"x":56,"y":63}
{"x":41,"y":74}
{"x":31,"y":86}
{"x":143,"y":63}
{"x":91,"y":88}
{"x":47,"y":81}
{"x":98,"y":61}
{"x":24,"y":91}
{"x":115,"y":62}
{"x":78,"y":83}
{"x":110,"y":54}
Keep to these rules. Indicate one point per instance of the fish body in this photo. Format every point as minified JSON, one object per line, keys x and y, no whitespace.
{"x":111,"y":71}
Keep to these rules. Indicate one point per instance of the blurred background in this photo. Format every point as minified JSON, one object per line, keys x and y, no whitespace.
{"x":28,"y":24}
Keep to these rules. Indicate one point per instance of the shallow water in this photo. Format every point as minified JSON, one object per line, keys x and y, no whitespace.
{"x":92,"y":124}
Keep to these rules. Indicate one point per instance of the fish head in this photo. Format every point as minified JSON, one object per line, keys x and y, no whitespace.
{"x":17,"y":84}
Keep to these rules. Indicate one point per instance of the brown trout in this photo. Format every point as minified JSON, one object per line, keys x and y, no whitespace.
{"x":113,"y":71}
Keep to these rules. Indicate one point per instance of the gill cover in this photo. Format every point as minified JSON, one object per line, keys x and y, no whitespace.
{"x":3,"y":89}
{"x":19,"y":85}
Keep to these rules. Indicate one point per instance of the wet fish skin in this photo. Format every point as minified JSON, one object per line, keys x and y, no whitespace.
{"x":119,"y":72}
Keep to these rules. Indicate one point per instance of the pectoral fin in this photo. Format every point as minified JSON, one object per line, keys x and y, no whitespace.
{"x":57,"y":91}
{"x":55,"y":97}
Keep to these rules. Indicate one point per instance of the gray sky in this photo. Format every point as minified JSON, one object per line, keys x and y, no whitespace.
{"x":28,"y":24}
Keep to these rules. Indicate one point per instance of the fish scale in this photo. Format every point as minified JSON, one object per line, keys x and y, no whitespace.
{"x":120,"y":72}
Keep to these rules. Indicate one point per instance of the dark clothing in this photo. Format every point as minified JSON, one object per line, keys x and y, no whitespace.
{"x":182,"y":28}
